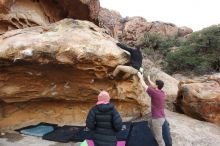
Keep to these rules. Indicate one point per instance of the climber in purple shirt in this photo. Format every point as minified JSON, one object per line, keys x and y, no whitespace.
{"x":157,"y":107}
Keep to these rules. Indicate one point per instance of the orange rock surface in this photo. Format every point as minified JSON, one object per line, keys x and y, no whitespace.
{"x":54,"y":74}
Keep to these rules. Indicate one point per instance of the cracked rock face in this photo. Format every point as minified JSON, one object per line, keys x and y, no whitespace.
{"x":16,"y":14}
{"x":200,"y":99}
{"x":54,"y":74}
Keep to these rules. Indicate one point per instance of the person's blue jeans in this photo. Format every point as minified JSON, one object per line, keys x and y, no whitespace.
{"x":166,"y":133}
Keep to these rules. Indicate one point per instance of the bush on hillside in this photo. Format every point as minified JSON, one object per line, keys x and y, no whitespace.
{"x":151,"y":40}
{"x":156,"y":41}
{"x":156,"y":46}
{"x":199,"y":54}
{"x":187,"y":61}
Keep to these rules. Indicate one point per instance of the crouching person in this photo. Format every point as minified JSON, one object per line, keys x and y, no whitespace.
{"x":104,"y":121}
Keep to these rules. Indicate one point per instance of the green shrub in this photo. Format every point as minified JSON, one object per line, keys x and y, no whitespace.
{"x":206,"y":40}
{"x":156,"y":42}
{"x":168,"y":43}
{"x":199,"y":54}
{"x":156,"y":46}
{"x":151,"y":40}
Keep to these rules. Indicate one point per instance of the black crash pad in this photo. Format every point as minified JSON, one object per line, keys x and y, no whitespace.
{"x":62,"y":134}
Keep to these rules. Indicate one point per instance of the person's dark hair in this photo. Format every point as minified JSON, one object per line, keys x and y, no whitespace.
{"x":159,"y":84}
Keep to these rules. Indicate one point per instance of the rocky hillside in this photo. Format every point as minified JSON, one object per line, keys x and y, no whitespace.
{"x":135,"y":27}
{"x":130,"y":29}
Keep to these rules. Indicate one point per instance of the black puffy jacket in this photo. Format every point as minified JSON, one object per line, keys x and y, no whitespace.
{"x":104,"y":121}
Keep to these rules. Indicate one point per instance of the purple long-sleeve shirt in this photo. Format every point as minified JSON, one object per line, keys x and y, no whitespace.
{"x":157,"y":102}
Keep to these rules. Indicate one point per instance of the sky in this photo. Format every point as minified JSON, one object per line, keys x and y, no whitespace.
{"x":196,"y":14}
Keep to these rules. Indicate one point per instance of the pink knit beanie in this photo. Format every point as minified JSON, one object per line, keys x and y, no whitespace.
{"x":103,"y":98}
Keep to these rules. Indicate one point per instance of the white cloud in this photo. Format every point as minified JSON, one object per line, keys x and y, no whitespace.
{"x":196,"y":14}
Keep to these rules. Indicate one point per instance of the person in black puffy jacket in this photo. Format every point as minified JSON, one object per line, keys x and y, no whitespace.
{"x":104,"y":121}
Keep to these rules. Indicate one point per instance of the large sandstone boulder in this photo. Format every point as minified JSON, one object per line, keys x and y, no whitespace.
{"x":54,"y":74}
{"x":200,"y":99}
{"x":16,"y":14}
